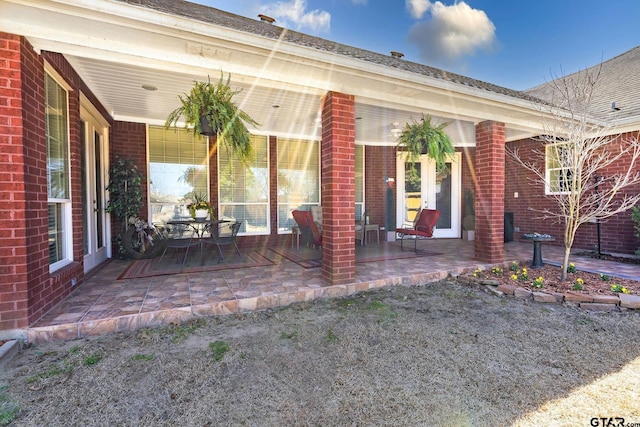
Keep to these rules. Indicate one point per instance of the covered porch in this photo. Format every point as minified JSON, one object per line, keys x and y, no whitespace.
{"x":106,"y":303}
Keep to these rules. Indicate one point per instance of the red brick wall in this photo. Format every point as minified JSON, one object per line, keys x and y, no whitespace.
{"x":338,"y":188}
{"x":15,"y":125}
{"x":616,"y":234}
{"x":129,"y":141}
{"x":489,"y":202}
{"x":380,"y":163}
{"x":27,"y":290}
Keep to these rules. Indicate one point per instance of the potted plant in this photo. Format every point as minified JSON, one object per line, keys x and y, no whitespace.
{"x":200,"y":209}
{"x":125,"y":196}
{"x":423,"y":137}
{"x":208,"y":109}
{"x":469,"y":220}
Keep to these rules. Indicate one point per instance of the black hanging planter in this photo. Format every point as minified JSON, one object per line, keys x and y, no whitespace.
{"x":205,"y":126}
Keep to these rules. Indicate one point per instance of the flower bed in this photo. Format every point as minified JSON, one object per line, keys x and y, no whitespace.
{"x":547,"y":279}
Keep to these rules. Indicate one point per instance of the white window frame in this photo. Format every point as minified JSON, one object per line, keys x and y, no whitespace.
{"x":266,"y":204}
{"x":360,"y":205}
{"x":180,"y":207}
{"x":549,"y":185}
{"x":304,"y":205}
{"x":66,"y":213}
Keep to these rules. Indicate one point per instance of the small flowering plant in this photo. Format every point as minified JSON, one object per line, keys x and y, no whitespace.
{"x":578,"y":285}
{"x":514,"y":266}
{"x":620,"y":289}
{"x":496,"y":271}
{"x":200,"y":202}
{"x":538,"y":283}
{"x":571,"y":268}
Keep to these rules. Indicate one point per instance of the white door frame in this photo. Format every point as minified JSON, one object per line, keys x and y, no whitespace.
{"x":94,"y":124}
{"x":429,"y":191}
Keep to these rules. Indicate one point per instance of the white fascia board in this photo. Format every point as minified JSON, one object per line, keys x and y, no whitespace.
{"x":139,"y":29}
{"x":159,"y":23}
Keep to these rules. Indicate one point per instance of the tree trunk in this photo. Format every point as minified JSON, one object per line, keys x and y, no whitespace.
{"x":565,"y":263}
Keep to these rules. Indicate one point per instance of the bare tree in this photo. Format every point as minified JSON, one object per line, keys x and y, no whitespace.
{"x":578,"y":147}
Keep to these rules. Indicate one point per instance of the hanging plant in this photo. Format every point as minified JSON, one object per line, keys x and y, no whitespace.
{"x":208,"y":109}
{"x":422,"y":137}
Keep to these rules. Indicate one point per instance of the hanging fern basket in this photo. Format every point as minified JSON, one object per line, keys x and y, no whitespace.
{"x":205,"y":126}
{"x":423,"y":137}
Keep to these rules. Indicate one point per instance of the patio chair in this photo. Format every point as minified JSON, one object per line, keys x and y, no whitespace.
{"x":422,"y":228}
{"x":221,"y":239}
{"x":309,"y":232}
{"x":176,"y":241}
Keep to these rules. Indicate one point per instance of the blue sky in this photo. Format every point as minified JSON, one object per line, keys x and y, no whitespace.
{"x":518,"y":44}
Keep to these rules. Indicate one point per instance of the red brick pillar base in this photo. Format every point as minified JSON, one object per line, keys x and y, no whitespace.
{"x":338,"y":188}
{"x":489,"y":209}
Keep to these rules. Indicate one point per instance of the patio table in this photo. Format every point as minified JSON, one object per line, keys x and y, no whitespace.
{"x":198,"y":226}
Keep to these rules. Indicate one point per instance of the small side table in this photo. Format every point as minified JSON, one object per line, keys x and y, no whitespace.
{"x":537,"y":240}
{"x":371,"y":227}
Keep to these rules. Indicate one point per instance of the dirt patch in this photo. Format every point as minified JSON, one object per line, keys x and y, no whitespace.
{"x":439,"y":354}
{"x":578,"y":281}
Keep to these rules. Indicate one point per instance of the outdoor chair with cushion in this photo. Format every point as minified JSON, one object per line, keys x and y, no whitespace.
{"x":309,"y":232}
{"x":220,"y":239}
{"x":422,"y":228}
{"x":178,"y":239}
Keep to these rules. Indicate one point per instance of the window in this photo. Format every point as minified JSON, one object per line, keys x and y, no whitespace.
{"x":244,"y":188}
{"x":178,"y":170}
{"x":298,"y":178}
{"x":58,"y":192}
{"x":359,"y":178}
{"x":559,"y":161}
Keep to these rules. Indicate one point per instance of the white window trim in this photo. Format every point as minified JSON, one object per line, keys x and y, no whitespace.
{"x":319,"y":180}
{"x":547,"y":190}
{"x":67,"y":213}
{"x":268,"y":202}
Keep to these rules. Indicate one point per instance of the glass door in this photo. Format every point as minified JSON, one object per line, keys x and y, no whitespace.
{"x":423,"y":185}
{"x":94,"y":220}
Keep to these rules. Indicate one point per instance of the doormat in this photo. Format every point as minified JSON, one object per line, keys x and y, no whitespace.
{"x":310,"y":258}
{"x":152,"y":267}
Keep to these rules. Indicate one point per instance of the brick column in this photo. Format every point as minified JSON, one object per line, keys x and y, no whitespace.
{"x":338,"y":188}
{"x":23,"y":185}
{"x":490,"y":173}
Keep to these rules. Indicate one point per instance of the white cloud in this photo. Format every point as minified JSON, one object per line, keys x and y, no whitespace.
{"x":418,"y":8}
{"x":293,"y":14}
{"x":452,"y":33}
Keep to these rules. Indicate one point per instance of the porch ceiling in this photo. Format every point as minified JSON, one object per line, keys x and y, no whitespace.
{"x":117,"y":48}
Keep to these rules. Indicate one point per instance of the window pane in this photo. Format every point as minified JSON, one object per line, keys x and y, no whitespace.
{"x":57,"y":249}
{"x":559,"y":159}
{"x":57,"y":140}
{"x":244,"y":188}
{"x":359,"y":178}
{"x":178,"y":169}
{"x":298,"y":178}
{"x":59,"y":207}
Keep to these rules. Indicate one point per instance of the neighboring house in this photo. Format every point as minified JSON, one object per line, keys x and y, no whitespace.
{"x":85,"y":82}
{"x":615,"y":102}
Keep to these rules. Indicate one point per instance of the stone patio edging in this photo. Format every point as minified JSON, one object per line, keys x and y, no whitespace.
{"x":603,"y":303}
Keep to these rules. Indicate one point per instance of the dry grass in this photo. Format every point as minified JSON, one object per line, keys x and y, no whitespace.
{"x":440,"y":354}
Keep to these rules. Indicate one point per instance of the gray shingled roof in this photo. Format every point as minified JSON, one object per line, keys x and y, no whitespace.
{"x":619,"y":82}
{"x":254,"y":26}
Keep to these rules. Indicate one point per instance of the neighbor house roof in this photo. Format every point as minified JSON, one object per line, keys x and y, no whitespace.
{"x":618,"y":82}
